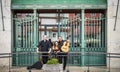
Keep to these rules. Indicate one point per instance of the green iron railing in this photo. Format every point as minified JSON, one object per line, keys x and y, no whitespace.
{"x":25,"y":37}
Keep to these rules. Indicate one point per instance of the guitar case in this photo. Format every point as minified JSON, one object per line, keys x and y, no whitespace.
{"x":36,"y":65}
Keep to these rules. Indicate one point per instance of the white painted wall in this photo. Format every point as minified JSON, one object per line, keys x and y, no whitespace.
{"x":5,"y":36}
{"x":113,"y":36}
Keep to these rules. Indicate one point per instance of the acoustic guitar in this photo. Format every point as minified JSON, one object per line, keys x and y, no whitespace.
{"x":65,"y":47}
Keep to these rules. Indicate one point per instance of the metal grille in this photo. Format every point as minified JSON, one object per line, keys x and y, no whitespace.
{"x":25,"y":38}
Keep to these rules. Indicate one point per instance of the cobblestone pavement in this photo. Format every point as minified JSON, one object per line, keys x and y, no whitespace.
{"x":70,"y":68}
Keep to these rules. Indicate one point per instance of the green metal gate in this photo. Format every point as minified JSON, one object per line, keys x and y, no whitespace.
{"x":88,"y":34}
{"x":25,"y":38}
{"x":95,"y":39}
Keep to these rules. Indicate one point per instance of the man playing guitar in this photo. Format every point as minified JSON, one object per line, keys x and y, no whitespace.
{"x":64,"y":49}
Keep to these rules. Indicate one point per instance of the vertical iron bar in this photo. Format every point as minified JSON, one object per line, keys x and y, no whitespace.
{"x":96,"y":32}
{"x":31,"y":31}
{"x":39,"y":21}
{"x":68,"y":63}
{"x":77,"y":31}
{"x":87,"y":38}
{"x":85,"y":32}
{"x":26,"y":23}
{"x":72,"y":34}
{"x":2,"y":16}
{"x":35,"y":25}
{"x":105,"y":28}
{"x":16,"y":39}
{"x":22,"y":31}
{"x":66,"y":33}
{"x":74,"y":21}
{"x":37,"y":30}
{"x":64,"y":27}
{"x":88,"y":62}
{"x":9,"y":62}
{"x":93,"y":31}
{"x":22,"y":56}
{"x":16,"y":34}
{"x":80,"y":22}
{"x":94,"y":49}
{"x":90,"y":34}
{"x":109,"y":62}
{"x":101,"y":30}
{"x":88,"y":26}
{"x":28,"y":49}
{"x":32,"y":34}
{"x":29,"y":40}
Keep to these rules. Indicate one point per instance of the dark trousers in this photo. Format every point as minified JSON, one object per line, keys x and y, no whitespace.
{"x":63,"y":59}
{"x":44,"y":57}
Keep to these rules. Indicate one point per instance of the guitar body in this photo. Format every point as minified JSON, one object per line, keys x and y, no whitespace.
{"x":65,"y":47}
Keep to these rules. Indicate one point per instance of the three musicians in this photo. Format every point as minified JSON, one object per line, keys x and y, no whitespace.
{"x":60,"y":49}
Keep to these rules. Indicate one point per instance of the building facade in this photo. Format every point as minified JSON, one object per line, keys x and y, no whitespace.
{"x":111,"y":40}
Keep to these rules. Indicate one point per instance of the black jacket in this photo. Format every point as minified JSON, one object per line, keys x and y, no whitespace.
{"x":60,"y":44}
{"x":44,"y":46}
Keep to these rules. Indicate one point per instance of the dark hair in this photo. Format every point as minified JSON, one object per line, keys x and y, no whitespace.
{"x":55,"y":42}
{"x":50,"y":42}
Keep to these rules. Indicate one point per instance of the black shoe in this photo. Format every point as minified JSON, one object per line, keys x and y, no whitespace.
{"x":29,"y":67}
{"x":63,"y":69}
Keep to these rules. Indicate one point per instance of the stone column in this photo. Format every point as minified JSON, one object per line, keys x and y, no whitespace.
{"x":113,"y":37}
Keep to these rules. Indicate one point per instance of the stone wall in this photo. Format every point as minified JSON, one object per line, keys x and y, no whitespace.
{"x":113,"y":37}
{"x":5,"y":36}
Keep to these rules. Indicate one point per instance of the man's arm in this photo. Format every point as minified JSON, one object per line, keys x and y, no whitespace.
{"x":38,"y":46}
{"x":50,"y":46}
{"x":37,"y":50}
